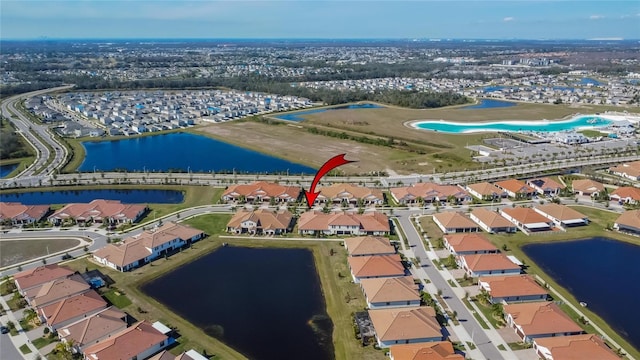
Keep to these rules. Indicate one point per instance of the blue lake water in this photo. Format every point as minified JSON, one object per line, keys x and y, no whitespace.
{"x":183,"y":152}
{"x":513,"y":126}
{"x":586,"y":81}
{"x":601,"y":272}
{"x":490,"y":104}
{"x":7,"y":169}
{"x":126,"y":196}
{"x":297,"y":116}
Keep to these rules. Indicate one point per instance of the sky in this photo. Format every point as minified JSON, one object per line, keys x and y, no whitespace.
{"x":422,"y":19}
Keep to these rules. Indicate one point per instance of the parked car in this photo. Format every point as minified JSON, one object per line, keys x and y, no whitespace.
{"x":4,"y":330}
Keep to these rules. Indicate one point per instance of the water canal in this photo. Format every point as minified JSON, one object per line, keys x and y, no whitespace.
{"x":126,"y":196}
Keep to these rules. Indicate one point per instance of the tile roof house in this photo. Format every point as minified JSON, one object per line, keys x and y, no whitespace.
{"x":340,"y":193}
{"x":18,"y":214}
{"x":491,"y":221}
{"x":626,"y":194}
{"x":93,"y":329}
{"x":629,"y":222}
{"x":512,"y":288}
{"x":562,"y":215}
{"x":56,"y":290}
{"x":31,"y":278}
{"x":586,"y":187}
{"x":139,"y":341}
{"x":468,"y":244}
{"x":405,"y":325}
{"x":585,"y":346}
{"x":187,"y":355}
{"x":429,"y":193}
{"x":378,"y":266}
{"x":100,"y":211}
{"x":628,"y":170}
{"x":138,"y":250}
{"x":486,"y":191}
{"x":546,"y":186}
{"x":516,"y":189}
{"x":340,"y":223}
{"x":261,"y":191}
{"x":71,"y":309}
{"x":539,"y":320}
{"x":527,"y":219}
{"x":488,"y":265}
{"x":438,"y":350}
{"x":391,"y":292}
{"x":262,"y":221}
{"x":369,"y":245}
{"x":454,"y":222}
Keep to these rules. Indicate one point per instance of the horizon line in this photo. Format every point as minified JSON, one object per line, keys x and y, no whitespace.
{"x":415,"y":39}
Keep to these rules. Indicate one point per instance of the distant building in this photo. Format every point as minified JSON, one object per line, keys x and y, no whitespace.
{"x":19,"y":214}
{"x":628,"y":222}
{"x":340,"y":223}
{"x":261,"y":222}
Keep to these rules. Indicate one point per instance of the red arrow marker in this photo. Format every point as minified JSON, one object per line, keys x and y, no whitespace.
{"x":332,"y":163}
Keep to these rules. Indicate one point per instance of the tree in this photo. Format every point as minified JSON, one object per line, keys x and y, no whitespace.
{"x":63,"y":349}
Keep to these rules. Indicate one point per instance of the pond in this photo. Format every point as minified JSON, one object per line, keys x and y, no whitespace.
{"x":490,"y":104}
{"x":297,"y":116}
{"x":126,"y":196}
{"x":7,"y":169}
{"x":266,"y":303}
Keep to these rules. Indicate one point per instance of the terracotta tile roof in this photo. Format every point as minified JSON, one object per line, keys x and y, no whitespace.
{"x":72,"y":307}
{"x":455,"y":220}
{"x":17,"y":211}
{"x":188,"y":355}
{"x":541,"y":318}
{"x":405,"y":323}
{"x":378,"y":265}
{"x":512,"y":285}
{"x":577,"y":347}
{"x":546,"y":183}
{"x":370,"y":221}
{"x":40,"y":275}
{"x":525,"y":215}
{"x":631,"y":169}
{"x":469,"y":242}
{"x":625,"y":192}
{"x":368,"y":245}
{"x":95,"y":327}
{"x":56,"y":290}
{"x":586,"y":185}
{"x":629,"y":218}
{"x":492,"y":219}
{"x":485,"y":189}
{"x":390,"y":289}
{"x":264,"y":190}
{"x":99,"y":209}
{"x":560,"y":212}
{"x":486,"y":262}
{"x":127,"y":343}
{"x":515,"y":186}
{"x":428,"y":191}
{"x":266,"y":219}
{"x":437,"y":350}
{"x":349,"y":191}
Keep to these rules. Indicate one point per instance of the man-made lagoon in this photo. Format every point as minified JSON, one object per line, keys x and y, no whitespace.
{"x":181,"y":152}
{"x":154,"y":196}
{"x":297,"y":116}
{"x":600,"y":272}
{"x":265,"y":303}
{"x":7,"y":169}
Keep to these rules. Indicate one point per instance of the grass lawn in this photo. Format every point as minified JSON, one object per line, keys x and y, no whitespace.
{"x":519,"y":346}
{"x":117,"y":298}
{"x":7,"y":287}
{"x":486,"y":311}
{"x":17,"y":251}
{"x":41,"y":342}
{"x":24,"y":348}
{"x":432,"y":230}
{"x":23,"y":163}
{"x":14,"y":303}
{"x":501,"y":347}
{"x":76,"y":154}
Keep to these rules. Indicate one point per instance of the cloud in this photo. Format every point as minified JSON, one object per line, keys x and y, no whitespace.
{"x":509,"y":18}
{"x":596,"y":17}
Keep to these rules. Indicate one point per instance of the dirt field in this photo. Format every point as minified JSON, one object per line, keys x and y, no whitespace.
{"x":17,"y":251}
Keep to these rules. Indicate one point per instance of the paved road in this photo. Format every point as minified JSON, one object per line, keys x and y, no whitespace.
{"x":7,"y":348}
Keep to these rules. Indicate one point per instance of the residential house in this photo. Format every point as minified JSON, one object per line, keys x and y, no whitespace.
{"x":587,"y":187}
{"x":101,"y":211}
{"x":378,"y":266}
{"x":627,"y":170}
{"x":429,"y":193}
{"x":562,"y":215}
{"x":438,"y":350}
{"x":38,"y":276}
{"x":539,"y":320}
{"x":527,"y":219}
{"x":486,"y":191}
{"x":512,"y":288}
{"x":18,"y":214}
{"x":546,"y":186}
{"x":56,"y":290}
{"x":139,"y":341}
{"x":261,"y":191}
{"x":468,"y":244}
{"x":186,"y":355}
{"x":71,"y":309}
{"x":340,"y":193}
{"x":626,"y":195}
{"x":628,"y":222}
{"x":454,"y":222}
{"x":390,"y":292}
{"x":368,"y":246}
{"x":585,"y":346}
{"x":341,"y":223}
{"x":147,"y":246}
{"x":488,"y":265}
{"x":492,"y":221}
{"x":516,"y":189}
{"x":405,"y":325}
{"x":261,"y":222}
{"x":93,"y":329}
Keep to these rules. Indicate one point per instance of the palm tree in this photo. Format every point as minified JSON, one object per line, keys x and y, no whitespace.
{"x":63,"y":349}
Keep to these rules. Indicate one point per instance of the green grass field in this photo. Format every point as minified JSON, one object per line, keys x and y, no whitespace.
{"x":17,"y":251}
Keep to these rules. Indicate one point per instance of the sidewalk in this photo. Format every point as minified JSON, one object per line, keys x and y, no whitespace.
{"x":21,"y":338}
